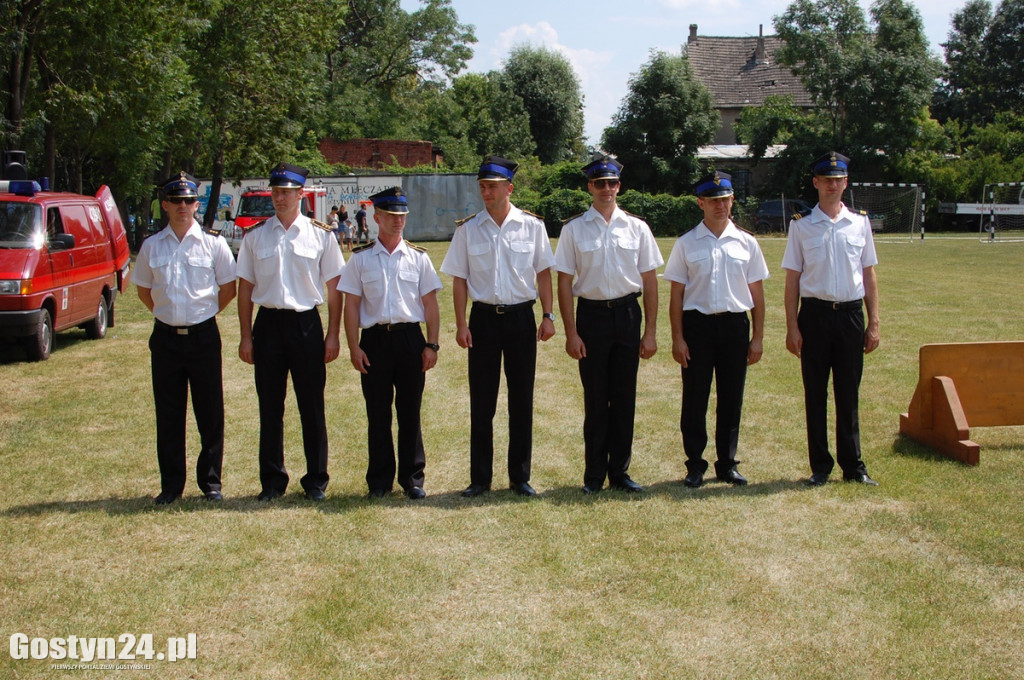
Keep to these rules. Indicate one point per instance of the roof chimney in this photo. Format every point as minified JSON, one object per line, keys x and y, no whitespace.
{"x":760,"y":54}
{"x":693,"y":34}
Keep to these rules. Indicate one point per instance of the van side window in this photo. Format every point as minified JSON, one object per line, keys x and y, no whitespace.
{"x":54,"y":225}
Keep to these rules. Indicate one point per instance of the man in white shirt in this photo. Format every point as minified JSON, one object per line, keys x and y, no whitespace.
{"x":185,"y":276}
{"x":390,"y":288}
{"x":283,"y":265}
{"x":717,"y":273}
{"x":607,"y":258}
{"x":499,"y":258}
{"x":830,"y":279}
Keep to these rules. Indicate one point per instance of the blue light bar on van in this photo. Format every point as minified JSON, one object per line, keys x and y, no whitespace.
{"x":23,"y":187}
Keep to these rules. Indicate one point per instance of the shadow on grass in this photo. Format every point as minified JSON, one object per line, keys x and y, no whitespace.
{"x":905,"y":446}
{"x":448,"y":500}
{"x":13,"y":352}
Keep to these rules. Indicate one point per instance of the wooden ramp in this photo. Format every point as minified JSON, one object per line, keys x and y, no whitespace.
{"x":964,"y":385}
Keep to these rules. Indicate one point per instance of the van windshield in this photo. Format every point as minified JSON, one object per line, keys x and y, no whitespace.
{"x":21,"y":225}
{"x":256,"y":206}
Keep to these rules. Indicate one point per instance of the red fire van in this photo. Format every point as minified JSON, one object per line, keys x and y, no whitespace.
{"x":63,"y":260}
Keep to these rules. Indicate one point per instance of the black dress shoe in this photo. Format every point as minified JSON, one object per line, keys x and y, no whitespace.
{"x":315,"y":494}
{"x":475,"y":490}
{"x":377,"y":493}
{"x":523,"y":488}
{"x":269,"y":495}
{"x":861,"y":479}
{"x":415,"y":493}
{"x":626,"y":484}
{"x":166,"y":498}
{"x":214,"y":495}
{"x":588,"y":489}
{"x":818,"y":479}
{"x":694,"y":480}
{"x":733,"y":477}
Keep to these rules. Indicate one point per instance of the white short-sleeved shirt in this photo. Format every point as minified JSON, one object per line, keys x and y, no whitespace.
{"x":288,"y":268}
{"x":500,"y":262}
{"x":184,"y":276}
{"x":830,"y":254}
{"x":391,"y":285}
{"x":607,"y":258}
{"x":717,"y":271}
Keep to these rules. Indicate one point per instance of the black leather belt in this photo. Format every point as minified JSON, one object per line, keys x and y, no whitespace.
{"x":829,"y":304}
{"x":617,"y":302}
{"x":185,"y":330}
{"x":389,"y":327}
{"x":505,"y":309}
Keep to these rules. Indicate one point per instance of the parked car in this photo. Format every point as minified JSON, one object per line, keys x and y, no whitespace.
{"x":771,"y":216}
{"x":63,"y":259}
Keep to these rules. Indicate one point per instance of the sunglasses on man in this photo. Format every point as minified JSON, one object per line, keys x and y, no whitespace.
{"x":177,"y":200}
{"x":605,"y":183}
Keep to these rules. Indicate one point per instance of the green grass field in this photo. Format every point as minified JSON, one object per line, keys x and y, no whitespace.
{"x":922,"y":577}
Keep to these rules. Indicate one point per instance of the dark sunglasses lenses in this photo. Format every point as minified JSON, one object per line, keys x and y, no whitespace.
{"x":606,"y":183}
{"x":180,"y":199}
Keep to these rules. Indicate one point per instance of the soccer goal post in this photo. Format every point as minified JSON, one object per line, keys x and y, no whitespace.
{"x":1002,"y":217}
{"x":896,"y":209}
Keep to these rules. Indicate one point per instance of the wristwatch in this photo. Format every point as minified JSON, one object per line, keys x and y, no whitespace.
{"x":433,"y":345}
{"x":549,"y":315}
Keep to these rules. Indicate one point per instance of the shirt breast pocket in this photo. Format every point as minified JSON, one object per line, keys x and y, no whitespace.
{"x":736,"y":257}
{"x":161,"y":268}
{"x":201,"y":275}
{"x":697,"y":262}
{"x":627,"y":250}
{"x":480,"y":256}
{"x":372,"y":283}
{"x":813,"y":249}
{"x":590,"y":252}
{"x":522,"y":253}
{"x":854,"y":247}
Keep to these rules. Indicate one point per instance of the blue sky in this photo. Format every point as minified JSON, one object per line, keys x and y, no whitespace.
{"x":608,"y":41}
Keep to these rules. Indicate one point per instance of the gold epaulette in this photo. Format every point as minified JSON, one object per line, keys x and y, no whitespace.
{"x":742,"y":229}
{"x":416,"y":247}
{"x":321,"y":225}
{"x":639,"y":217}
{"x":459,"y":223}
{"x":797,"y":216}
{"x":863,"y":212}
{"x":533,"y":215}
{"x":567,"y":220}
{"x":254,"y":226}
{"x":365,"y":246}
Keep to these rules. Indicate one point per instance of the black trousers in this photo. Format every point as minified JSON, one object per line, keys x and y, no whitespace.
{"x":395,"y":375}
{"x":178,"y":363}
{"x":283,"y":342}
{"x":511,"y":334}
{"x":718,"y":348}
{"x":833,"y":342}
{"x":608,"y":374}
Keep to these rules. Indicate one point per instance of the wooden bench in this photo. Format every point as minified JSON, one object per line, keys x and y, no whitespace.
{"x":964,"y":385}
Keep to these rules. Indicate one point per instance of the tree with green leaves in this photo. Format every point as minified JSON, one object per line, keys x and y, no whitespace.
{"x":379,"y":56}
{"x":254,"y":99}
{"x":963,"y":91}
{"x":666,"y":116}
{"x":871,"y":86}
{"x":546,"y":84}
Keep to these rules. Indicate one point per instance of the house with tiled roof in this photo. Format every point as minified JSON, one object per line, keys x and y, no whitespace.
{"x":740,"y":73}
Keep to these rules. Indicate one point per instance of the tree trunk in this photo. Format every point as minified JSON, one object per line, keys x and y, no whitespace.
{"x":215,"y":184}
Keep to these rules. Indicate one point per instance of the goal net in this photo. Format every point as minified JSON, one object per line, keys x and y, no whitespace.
{"x":1002,"y":211}
{"x":896,"y":209}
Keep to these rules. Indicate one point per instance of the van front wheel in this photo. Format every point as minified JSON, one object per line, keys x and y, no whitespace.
{"x":97,"y":328}
{"x":40,"y":344}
